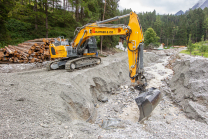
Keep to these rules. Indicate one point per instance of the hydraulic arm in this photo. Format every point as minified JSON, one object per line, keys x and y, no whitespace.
{"x":148,"y":100}
{"x":134,"y":37}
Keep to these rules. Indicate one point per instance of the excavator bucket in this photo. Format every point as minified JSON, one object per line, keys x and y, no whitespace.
{"x":147,"y":101}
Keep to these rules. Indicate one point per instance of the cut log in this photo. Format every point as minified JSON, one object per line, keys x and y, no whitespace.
{"x":33,"y":47}
{"x":16,"y":60}
{"x":10,"y":60}
{"x":32,"y":60}
{"x":32,"y":43}
{"x":30,"y":51}
{"x":34,"y":54}
{"x":24,"y":46}
{"x":9,"y":50}
{"x":21,"y":61}
{"x":5,"y":58}
{"x":12,"y":48}
{"x":42,"y":57}
{"x":25,"y":50}
{"x":46,"y":52}
{"x":41,"y":51}
{"x":45,"y":40}
{"x":1,"y":54}
{"x":22,"y":50}
{"x":36,"y":40}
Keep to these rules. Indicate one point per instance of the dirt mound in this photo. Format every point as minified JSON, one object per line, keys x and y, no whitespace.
{"x":188,"y":86}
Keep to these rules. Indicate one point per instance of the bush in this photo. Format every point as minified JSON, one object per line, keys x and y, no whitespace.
{"x":150,"y":38}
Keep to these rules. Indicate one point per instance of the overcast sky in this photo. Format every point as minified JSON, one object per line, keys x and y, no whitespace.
{"x":161,"y":6}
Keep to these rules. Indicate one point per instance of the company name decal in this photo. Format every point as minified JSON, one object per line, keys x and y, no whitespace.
{"x":94,"y":31}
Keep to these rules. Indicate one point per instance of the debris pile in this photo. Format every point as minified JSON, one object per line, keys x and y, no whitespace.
{"x":28,"y":52}
{"x":188,"y":86}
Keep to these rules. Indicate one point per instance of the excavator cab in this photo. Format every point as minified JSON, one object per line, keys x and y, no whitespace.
{"x":91,"y":47}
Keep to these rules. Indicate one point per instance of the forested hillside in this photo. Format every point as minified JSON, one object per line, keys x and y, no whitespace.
{"x":22,"y":20}
{"x":174,"y":30}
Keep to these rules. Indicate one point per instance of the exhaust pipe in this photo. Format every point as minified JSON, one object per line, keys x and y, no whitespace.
{"x":147,"y":102}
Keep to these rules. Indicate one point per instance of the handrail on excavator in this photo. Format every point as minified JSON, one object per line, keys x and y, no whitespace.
{"x":112,"y":19}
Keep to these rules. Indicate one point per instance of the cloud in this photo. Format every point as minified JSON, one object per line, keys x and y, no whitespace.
{"x":161,"y":6}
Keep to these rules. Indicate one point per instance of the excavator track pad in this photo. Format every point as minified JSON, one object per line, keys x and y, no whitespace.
{"x":72,"y":64}
{"x":82,"y":62}
{"x":147,"y":101}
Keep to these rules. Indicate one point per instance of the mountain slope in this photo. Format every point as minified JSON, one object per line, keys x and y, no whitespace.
{"x":179,"y":12}
{"x":205,"y":4}
{"x":200,"y":4}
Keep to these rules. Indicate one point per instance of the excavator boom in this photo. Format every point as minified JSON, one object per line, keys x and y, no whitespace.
{"x":146,"y":101}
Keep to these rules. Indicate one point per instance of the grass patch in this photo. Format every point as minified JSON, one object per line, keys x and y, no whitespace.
{"x":195,"y":53}
{"x":118,"y":50}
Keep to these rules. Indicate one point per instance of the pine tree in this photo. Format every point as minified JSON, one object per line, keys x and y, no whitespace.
{"x":190,"y":47}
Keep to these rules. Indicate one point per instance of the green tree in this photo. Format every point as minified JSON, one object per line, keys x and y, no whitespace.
{"x":202,"y":49}
{"x":174,"y":32}
{"x":190,"y":47}
{"x":206,"y":27}
{"x":182,"y":31}
{"x":110,"y":11}
{"x":202,"y":38}
{"x":5,"y":8}
{"x":150,"y":38}
{"x":158,"y":24}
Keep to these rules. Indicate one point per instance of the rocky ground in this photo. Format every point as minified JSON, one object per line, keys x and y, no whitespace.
{"x":99,"y":102}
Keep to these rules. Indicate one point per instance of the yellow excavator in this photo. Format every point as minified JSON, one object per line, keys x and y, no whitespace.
{"x":81,"y":52}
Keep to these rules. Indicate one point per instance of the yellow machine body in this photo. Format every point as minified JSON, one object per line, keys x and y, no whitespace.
{"x":94,"y":29}
{"x":59,"y":51}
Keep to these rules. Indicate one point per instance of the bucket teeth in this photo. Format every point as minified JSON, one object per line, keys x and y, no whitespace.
{"x":147,"y":101}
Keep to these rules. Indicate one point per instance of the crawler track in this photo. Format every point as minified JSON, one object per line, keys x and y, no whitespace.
{"x":82,"y":62}
{"x":72,"y":64}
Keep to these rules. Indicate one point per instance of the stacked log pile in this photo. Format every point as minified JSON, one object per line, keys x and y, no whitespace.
{"x":28,"y":52}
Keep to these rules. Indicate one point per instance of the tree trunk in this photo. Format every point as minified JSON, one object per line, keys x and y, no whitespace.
{"x":46,"y":12}
{"x":29,"y":2}
{"x":196,"y":32}
{"x":172,"y":40}
{"x":53,"y":5}
{"x":101,"y":41}
{"x":35,"y":9}
{"x":64,"y":4}
{"x":82,"y":13}
{"x":77,"y":10}
{"x":160,"y":34}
